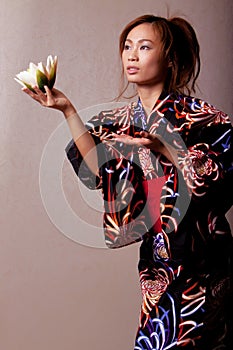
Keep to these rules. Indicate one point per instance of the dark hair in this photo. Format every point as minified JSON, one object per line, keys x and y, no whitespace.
{"x":180,"y":47}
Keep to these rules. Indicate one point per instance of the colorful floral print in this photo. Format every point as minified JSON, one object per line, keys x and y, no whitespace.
{"x":185,"y":263}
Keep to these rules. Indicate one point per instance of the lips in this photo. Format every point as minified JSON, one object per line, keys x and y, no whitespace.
{"x":132,"y":69}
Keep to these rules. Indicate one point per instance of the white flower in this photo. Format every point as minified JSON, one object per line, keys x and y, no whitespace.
{"x":39,"y":75}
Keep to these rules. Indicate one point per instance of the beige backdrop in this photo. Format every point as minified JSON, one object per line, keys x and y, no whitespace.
{"x":56,"y":293}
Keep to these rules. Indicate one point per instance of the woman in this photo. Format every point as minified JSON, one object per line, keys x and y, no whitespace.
{"x":164,"y":164}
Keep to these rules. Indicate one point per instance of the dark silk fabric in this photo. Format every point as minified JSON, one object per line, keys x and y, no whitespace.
{"x":178,"y":212}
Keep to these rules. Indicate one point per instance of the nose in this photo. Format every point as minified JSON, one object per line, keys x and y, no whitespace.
{"x":133,"y":56}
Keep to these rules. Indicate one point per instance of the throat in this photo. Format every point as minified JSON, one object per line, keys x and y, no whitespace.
{"x":147,"y":110}
{"x":149,"y":100}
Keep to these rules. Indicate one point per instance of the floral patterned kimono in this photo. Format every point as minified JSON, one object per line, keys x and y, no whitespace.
{"x":178,"y":212}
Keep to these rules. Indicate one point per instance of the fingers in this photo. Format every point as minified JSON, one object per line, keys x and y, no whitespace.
{"x":147,"y":135}
{"x":39,"y":96}
{"x":40,"y":93}
{"x":32,"y":93}
{"x":126,"y":139}
{"x":49,"y":96}
{"x":144,"y":133}
{"x":151,"y":137}
{"x":48,"y":92}
{"x":147,"y":140}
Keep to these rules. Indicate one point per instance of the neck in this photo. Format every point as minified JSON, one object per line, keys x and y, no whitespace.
{"x":148,"y":96}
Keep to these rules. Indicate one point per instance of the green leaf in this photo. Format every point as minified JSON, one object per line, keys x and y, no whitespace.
{"x":29,"y":87}
{"x":42,"y":80}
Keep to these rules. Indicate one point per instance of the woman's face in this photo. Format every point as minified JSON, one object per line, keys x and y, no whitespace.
{"x":141,"y":57}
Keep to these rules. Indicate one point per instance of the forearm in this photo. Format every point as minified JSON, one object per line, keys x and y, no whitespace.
{"x":57,"y":100}
{"x":83,"y":140}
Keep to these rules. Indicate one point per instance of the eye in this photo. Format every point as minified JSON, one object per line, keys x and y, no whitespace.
{"x":144,"y":47}
{"x":126,"y":47}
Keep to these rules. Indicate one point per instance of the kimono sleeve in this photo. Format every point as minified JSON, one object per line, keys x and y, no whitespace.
{"x":100,"y":128}
{"x":81,"y":169}
{"x":208,"y":159}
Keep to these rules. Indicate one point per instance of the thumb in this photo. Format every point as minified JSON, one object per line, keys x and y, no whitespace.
{"x":147,"y":135}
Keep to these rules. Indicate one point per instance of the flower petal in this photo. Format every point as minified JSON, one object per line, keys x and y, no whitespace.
{"x":24,"y":84}
{"x":32,"y":69}
{"x":39,"y":74}
{"x":42,"y":68}
{"x":49,"y":63}
{"x":52,"y":73}
{"x":26,"y":77}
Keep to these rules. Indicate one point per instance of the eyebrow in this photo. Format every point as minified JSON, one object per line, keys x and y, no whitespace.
{"x":140,"y":41}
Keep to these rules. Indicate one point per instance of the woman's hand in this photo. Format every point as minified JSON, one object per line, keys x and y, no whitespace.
{"x":151,"y":141}
{"x":57,"y":100}
{"x":146,"y":139}
{"x":52,"y":99}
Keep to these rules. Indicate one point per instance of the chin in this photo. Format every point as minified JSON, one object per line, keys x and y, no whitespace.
{"x":133,"y":80}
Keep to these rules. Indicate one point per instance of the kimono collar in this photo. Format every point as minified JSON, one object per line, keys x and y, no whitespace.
{"x":164,"y":97}
{"x":164,"y":103}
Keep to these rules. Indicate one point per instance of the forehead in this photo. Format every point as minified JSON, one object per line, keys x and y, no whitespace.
{"x":144,"y":31}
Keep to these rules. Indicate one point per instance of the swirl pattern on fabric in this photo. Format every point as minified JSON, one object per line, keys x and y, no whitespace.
{"x":186,"y":251}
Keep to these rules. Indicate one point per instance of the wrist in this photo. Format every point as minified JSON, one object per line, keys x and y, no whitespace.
{"x":69,"y":110}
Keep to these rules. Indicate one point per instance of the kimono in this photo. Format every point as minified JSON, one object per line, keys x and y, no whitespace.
{"x":176,"y":211}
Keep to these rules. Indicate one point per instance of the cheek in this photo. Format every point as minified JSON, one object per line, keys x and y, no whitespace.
{"x":148,"y":60}
{"x":156,"y":64}
{"x":151,"y":65}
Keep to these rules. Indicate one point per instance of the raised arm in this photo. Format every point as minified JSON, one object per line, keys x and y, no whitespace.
{"x":57,"y":100}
